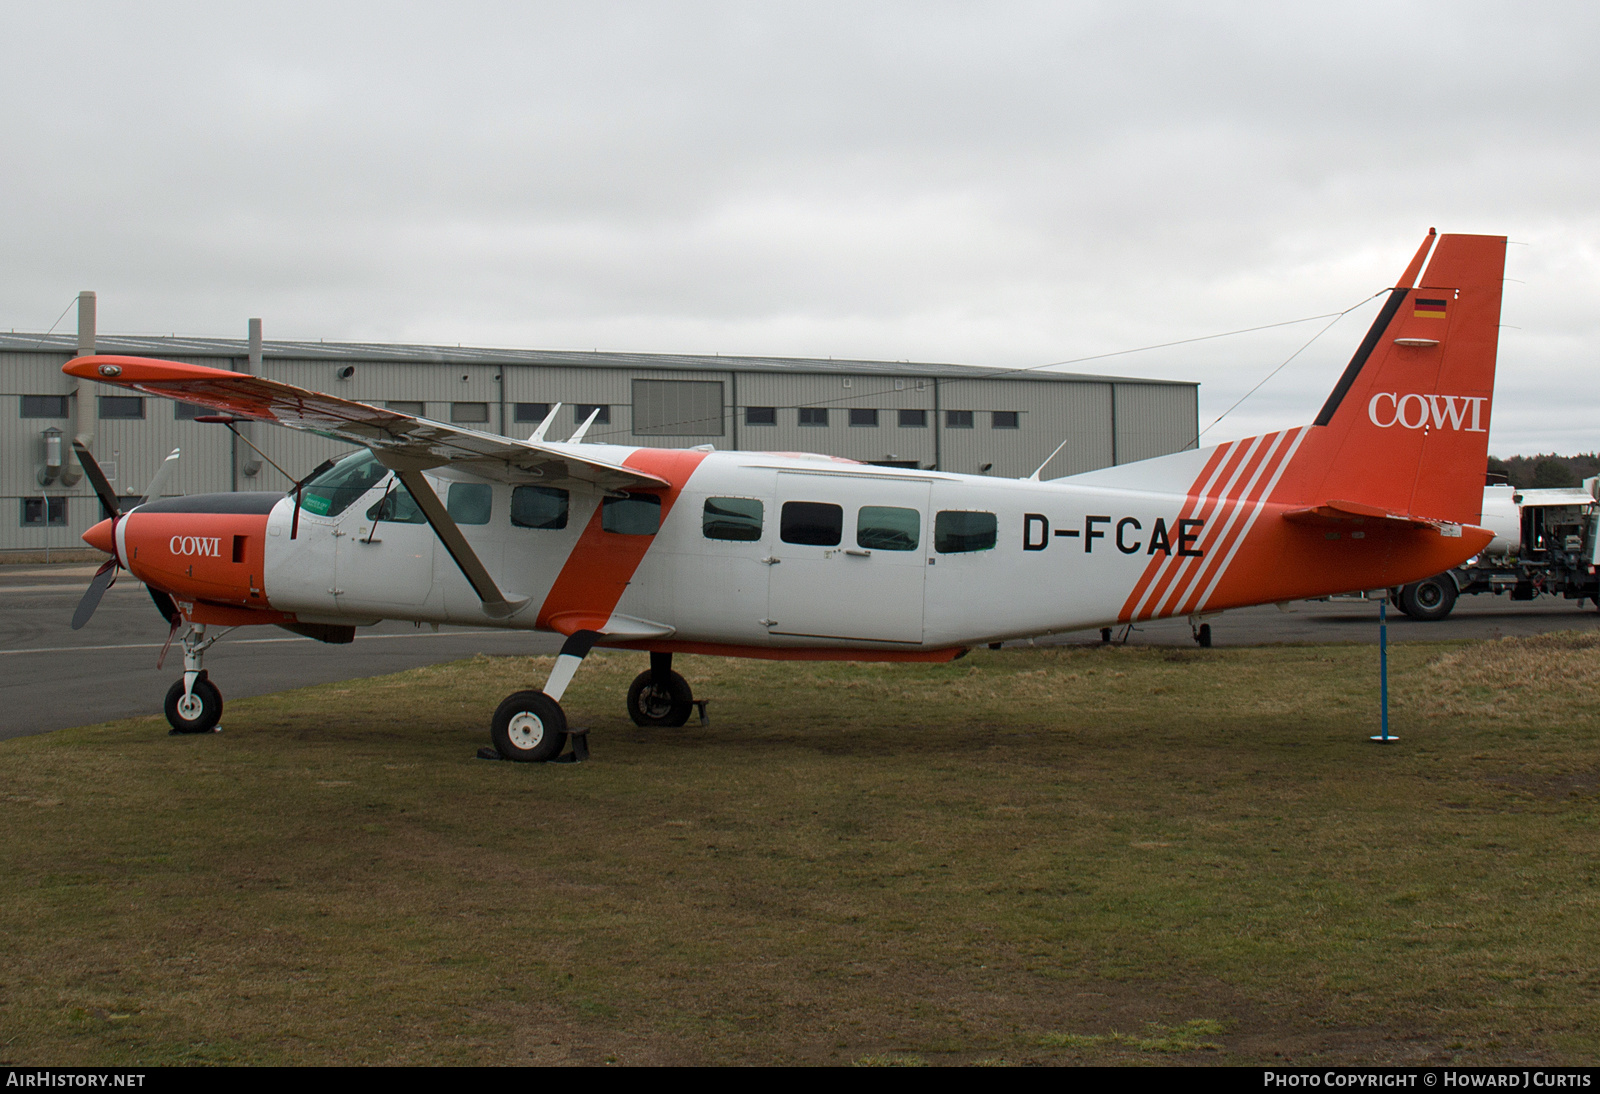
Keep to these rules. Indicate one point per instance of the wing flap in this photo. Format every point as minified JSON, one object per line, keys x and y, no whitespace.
{"x":421,"y":442}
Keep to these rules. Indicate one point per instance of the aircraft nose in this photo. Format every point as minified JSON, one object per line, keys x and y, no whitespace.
{"x":102,"y":537}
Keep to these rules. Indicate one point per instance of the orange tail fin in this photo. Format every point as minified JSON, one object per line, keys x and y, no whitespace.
{"x":1406,"y":429}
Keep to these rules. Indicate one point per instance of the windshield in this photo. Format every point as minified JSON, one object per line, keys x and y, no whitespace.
{"x":334,"y":490}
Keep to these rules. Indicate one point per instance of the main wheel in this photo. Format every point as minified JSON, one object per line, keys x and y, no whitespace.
{"x":1430,"y":599}
{"x":199,"y":712}
{"x":650,"y":705}
{"x":529,"y":727}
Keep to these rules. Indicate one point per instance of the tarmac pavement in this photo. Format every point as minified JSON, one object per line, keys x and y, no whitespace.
{"x":52,"y":677}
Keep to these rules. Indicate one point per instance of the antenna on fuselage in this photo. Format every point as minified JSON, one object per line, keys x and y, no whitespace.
{"x":549,"y":420}
{"x":584,"y":428}
{"x":1035,"y":476}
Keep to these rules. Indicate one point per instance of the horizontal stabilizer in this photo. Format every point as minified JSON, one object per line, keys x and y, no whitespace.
{"x":1333,"y":513}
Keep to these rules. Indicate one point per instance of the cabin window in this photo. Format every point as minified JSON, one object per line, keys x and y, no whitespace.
{"x":121,"y":406}
{"x":539,"y":507}
{"x":1007,"y":419}
{"x":397,"y":507}
{"x":732,"y":518}
{"x":753,"y":415}
{"x":955,"y":532}
{"x":813,"y":415}
{"x":814,"y":523}
{"x":887,"y":528}
{"x":958,"y":419}
{"x":337,"y":488}
{"x":44,"y":512}
{"x":862,"y":417}
{"x":44,"y":406}
{"x":913,"y":419}
{"x":470,"y":502}
{"x":634,"y":515}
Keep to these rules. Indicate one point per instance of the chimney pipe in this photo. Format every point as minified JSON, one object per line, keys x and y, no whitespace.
{"x":82,"y":395}
{"x":245,"y":461}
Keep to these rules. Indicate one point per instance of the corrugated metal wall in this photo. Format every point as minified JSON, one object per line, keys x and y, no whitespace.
{"x":1149,"y":419}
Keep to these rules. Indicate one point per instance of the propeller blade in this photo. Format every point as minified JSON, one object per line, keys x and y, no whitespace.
{"x":164,"y":605}
{"x":163,"y":473}
{"x":97,"y":479}
{"x":103,"y":577}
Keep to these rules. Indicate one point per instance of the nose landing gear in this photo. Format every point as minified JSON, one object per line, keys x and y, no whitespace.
{"x":194,"y":705}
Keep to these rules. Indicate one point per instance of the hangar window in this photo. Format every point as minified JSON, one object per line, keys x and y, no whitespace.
{"x":539,"y":507}
{"x":581,"y":412}
{"x":813,"y":415}
{"x":188,"y":412}
{"x":732,"y":518}
{"x":405,"y":406}
{"x":634,"y":515}
{"x":43,"y":512}
{"x":814,"y":523}
{"x":958,"y":419}
{"x":397,"y":507}
{"x":863,"y":417}
{"x":1006,"y":419}
{"x":333,"y":491}
{"x":532,"y":412}
{"x":677,"y":408}
{"x":469,"y":413}
{"x":913,"y":419}
{"x":956,"y":532}
{"x":44,"y":406}
{"x":121,"y":406}
{"x":753,"y":415}
{"x":470,"y":502}
{"x":887,"y":528}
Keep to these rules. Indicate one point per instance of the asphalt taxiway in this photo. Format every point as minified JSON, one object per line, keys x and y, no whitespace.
{"x":52,"y":677}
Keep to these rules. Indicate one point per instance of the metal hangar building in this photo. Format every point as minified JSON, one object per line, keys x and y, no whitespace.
{"x":960,"y":418}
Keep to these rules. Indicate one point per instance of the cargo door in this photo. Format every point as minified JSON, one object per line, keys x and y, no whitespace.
{"x":850,"y":553}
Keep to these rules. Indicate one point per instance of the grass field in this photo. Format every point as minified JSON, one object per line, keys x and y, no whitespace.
{"x":1030,"y":856}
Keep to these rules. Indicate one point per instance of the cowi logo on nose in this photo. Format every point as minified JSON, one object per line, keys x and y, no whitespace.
{"x":1463,"y":413}
{"x":209,"y":546}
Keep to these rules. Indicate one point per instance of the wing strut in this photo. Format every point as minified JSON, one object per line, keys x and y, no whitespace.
{"x":494,"y":602}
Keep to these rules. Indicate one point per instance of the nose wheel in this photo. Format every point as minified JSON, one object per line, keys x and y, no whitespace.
{"x":198,"y":711}
{"x":194,"y":705}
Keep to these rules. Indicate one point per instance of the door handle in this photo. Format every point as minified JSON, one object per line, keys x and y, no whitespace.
{"x":770,"y":561}
{"x":857,"y":552}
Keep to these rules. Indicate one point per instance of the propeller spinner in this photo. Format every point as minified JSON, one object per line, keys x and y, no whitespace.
{"x":104,"y":536}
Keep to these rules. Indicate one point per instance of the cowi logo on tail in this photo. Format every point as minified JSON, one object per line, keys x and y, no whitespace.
{"x":1415,"y":411}
{"x":777,"y":555}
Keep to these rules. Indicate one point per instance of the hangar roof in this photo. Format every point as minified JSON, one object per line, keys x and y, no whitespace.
{"x":179,"y":346}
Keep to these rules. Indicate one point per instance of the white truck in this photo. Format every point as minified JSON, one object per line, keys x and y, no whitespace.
{"x":1545,"y":542}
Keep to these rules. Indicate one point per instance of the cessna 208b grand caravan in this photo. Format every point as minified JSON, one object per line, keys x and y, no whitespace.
{"x":754,"y":554}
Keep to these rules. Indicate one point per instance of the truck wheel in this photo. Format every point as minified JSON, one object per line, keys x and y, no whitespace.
{"x":1429,"y":600}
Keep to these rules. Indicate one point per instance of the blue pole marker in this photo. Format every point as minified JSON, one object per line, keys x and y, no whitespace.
{"x":1383,"y":672}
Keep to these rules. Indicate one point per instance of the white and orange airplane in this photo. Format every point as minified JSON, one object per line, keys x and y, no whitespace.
{"x":754,"y":554}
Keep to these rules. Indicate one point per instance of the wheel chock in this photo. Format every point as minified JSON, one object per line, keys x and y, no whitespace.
{"x":580,"y":748}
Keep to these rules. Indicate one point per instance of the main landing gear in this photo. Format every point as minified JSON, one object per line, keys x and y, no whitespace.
{"x":194,"y":705}
{"x":531,"y":727}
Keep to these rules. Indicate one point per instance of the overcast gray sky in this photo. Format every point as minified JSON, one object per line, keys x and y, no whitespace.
{"x":1005,"y":184}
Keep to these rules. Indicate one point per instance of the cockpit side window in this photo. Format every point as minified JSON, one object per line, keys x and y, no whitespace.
{"x":337,"y":488}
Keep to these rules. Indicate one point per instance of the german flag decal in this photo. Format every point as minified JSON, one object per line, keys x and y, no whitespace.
{"x":1429,"y":309}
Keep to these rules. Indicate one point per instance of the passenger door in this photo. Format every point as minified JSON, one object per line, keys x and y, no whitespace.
{"x":850,"y":553}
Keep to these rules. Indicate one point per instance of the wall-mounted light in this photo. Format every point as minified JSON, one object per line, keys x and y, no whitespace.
{"x":346,"y":372}
{"x":50,"y":442}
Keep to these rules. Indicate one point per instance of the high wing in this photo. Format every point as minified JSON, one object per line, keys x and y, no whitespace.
{"x":417,"y":443}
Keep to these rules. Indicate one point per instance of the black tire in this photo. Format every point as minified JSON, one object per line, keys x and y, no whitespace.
{"x":1429,"y":600}
{"x":200,"y":714}
{"x":649,"y":705}
{"x":529,"y":727}
{"x":1204,"y":636}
